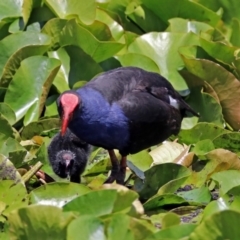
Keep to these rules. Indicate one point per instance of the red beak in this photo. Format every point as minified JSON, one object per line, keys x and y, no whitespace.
{"x":69,"y":102}
{"x":65,"y":120}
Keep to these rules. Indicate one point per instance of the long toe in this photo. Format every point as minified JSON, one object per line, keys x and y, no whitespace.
{"x":118,"y":176}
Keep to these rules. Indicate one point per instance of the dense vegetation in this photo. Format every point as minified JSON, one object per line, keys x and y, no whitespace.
{"x":186,"y":188}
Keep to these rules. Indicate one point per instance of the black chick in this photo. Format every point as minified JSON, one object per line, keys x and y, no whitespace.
{"x":68,"y":155}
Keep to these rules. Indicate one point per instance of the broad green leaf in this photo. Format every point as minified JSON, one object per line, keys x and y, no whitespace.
{"x":117,"y":9}
{"x":214,"y":161}
{"x":204,"y":146}
{"x":116,"y":29}
{"x":10,"y":9}
{"x":142,"y":160}
{"x":159,"y":201}
{"x":223,"y":83}
{"x":126,"y":199}
{"x":169,"y":60}
{"x":57,"y":194}
{"x":51,"y":106}
{"x":174,"y":232}
{"x":82,"y":66}
{"x":114,"y":232}
{"x":93,"y":228}
{"x":199,"y":132}
{"x":140,"y":228}
{"x":166,"y":152}
{"x":170,"y":219}
{"x":222,"y":53}
{"x":6,"y":128}
{"x":203,"y":102}
{"x":7,"y":112}
{"x":184,"y":9}
{"x":30,"y":100}
{"x":61,"y":79}
{"x":14,"y":195}
{"x":185,"y":25}
{"x":85,"y":204}
{"x":36,"y":128}
{"x":43,"y":222}
{"x":97,"y":167}
{"x":227,"y":180}
{"x":157,"y":176}
{"x":144,"y":17}
{"x":218,"y":226}
{"x":84,"y":10}
{"x":223,"y":203}
{"x":15,"y":48}
{"x":235,"y":37}
{"x":62,"y":32}
{"x":10,"y":145}
{"x":200,"y":195}
{"x":229,"y":141}
{"x":109,"y":201}
{"x":138,"y":60}
{"x":229,"y":8}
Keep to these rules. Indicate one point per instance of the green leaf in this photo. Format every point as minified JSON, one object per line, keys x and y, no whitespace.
{"x":170,"y":43}
{"x":85,"y":11}
{"x":218,"y":226}
{"x":144,"y":17}
{"x":166,"y":152}
{"x":222,"y":82}
{"x":227,"y":180}
{"x":204,"y":146}
{"x":62,"y":32}
{"x":158,"y":201}
{"x":116,"y":29}
{"x":57,"y":194}
{"x":36,"y":128}
{"x":174,"y":232}
{"x":6,"y":128}
{"x":141,"y":160}
{"x":109,"y":201}
{"x":157,"y":176}
{"x":30,"y":100}
{"x":8,"y":113}
{"x":186,"y":25}
{"x":17,"y":47}
{"x":9,"y":145}
{"x":15,"y":195}
{"x":85,"y":204}
{"x":13,"y":9}
{"x":170,"y":219}
{"x":114,"y":232}
{"x":201,"y":101}
{"x":229,"y":141}
{"x":184,"y":9}
{"x":93,"y":228}
{"x":200,"y":195}
{"x":43,"y":222}
{"x":223,"y":203}
{"x":199,"y":132}
{"x":82,"y":66}
{"x":138,"y":60}
{"x":235,"y":37}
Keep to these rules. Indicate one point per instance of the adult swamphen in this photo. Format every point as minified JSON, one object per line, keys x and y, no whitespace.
{"x":127,"y":108}
{"x":68,"y":155}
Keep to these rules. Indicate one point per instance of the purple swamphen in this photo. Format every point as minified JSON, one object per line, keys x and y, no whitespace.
{"x":127,"y":108}
{"x":68,"y":155}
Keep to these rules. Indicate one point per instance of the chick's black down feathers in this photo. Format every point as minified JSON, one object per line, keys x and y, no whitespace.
{"x":68,"y":155}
